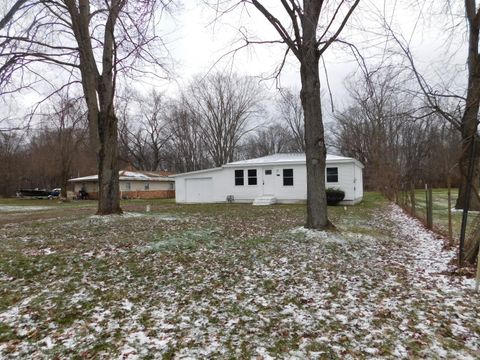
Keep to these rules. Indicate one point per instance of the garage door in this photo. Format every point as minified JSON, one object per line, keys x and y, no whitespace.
{"x":199,"y":190}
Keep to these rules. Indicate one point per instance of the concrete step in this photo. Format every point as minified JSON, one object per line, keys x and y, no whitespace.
{"x":265,"y":200}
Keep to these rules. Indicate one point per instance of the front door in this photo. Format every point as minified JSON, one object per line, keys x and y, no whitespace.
{"x":268,"y":182}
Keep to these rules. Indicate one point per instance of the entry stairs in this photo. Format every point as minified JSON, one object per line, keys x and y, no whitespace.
{"x":265,"y":200}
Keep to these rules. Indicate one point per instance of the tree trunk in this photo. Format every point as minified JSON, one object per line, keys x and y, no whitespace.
{"x":470,"y":116}
{"x":107,"y":158}
{"x":315,"y":151}
{"x":64,"y":184}
{"x":463,"y":164}
{"x":472,"y":245}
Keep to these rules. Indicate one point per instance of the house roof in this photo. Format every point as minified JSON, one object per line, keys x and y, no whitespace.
{"x":125,"y":175}
{"x":276,"y":159}
{"x":284,"y":158}
{"x":198,"y":171}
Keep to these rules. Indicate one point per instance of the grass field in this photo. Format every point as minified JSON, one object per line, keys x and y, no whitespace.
{"x":228,"y":281}
{"x":440,"y":211}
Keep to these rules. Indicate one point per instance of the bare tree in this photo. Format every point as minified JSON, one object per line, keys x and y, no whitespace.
{"x":143,"y":136}
{"x":309,"y":29}
{"x":291,"y":112}
{"x":401,"y":143}
{"x":66,"y":127}
{"x":272,"y":139}
{"x":89,"y":42}
{"x":225,"y":106}
{"x":469,"y":121}
{"x":189,"y":151}
{"x":466,"y":122}
{"x":12,"y":161}
{"x":464,"y":115}
{"x":369,"y":130}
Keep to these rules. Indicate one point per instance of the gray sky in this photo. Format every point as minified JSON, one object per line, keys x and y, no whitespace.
{"x":201,"y":42}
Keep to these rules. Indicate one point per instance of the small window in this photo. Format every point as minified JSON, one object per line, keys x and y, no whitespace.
{"x":239,"y":181}
{"x":332,"y":175}
{"x":287,"y":177}
{"x":128,"y":186}
{"x":147,"y":186}
{"x":171,"y":186}
{"x":268,"y":172}
{"x":252,"y":177}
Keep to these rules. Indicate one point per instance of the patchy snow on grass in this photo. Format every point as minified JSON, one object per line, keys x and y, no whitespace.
{"x":325,"y":236}
{"x":249,"y":287}
{"x":427,"y":248}
{"x":21,"y":208}
{"x":115,"y":217}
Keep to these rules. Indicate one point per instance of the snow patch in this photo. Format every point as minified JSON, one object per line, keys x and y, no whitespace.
{"x":19,"y":208}
{"x":324,"y":236}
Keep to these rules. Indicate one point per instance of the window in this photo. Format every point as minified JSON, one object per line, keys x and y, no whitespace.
{"x":147,"y":186}
{"x":252,"y":177}
{"x":332,"y":175}
{"x":268,"y":172}
{"x":287,"y":177}
{"x":239,"y":178}
{"x":128,"y":186}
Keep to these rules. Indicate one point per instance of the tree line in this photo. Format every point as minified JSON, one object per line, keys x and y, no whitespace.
{"x":222,"y":118}
{"x":217,"y":119}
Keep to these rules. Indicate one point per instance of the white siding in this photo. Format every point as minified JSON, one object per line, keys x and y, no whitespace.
{"x":222,"y":182}
{"x":358,"y":182}
{"x":346,"y":178}
{"x":199,"y":190}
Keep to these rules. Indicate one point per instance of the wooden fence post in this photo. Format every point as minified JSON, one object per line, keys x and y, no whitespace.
{"x":412,"y":201}
{"x":429,"y":205}
{"x":450,"y":229}
{"x":426,"y":203}
{"x":477,"y":277}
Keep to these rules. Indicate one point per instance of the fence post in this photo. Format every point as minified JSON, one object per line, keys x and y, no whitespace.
{"x":428,"y":204}
{"x":430,"y":207}
{"x":477,"y":277}
{"x":413,"y":200}
{"x":450,"y":230}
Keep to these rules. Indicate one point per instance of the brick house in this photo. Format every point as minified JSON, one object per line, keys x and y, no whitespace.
{"x":133,"y":185}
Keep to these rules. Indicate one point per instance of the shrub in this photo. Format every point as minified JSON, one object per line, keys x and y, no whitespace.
{"x":334,"y":196}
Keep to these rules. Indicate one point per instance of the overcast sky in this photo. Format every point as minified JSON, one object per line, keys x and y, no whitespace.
{"x":200,"y":41}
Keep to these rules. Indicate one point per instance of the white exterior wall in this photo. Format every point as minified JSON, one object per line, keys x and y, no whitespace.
{"x":358,"y":182}
{"x":346,"y":178}
{"x":222,"y":181}
{"x":213,"y":175}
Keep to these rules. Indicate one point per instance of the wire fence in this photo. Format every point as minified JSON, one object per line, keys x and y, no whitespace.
{"x":436,"y":209}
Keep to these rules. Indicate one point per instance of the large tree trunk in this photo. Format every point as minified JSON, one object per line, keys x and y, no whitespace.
{"x":470,"y":116}
{"x":64,"y":182}
{"x":315,"y":151}
{"x":107,"y":158}
{"x":472,"y":246}
{"x":463,"y":164}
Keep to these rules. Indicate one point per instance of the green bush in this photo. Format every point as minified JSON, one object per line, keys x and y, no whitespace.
{"x":334,"y":196}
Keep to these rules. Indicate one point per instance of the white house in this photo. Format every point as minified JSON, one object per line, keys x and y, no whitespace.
{"x":133,"y":184}
{"x":278,"y":178}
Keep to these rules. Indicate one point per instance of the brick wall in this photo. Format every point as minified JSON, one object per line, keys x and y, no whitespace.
{"x":154,"y":194}
{"x":158,"y":194}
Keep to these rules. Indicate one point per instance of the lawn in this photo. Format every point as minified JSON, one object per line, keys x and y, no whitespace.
{"x":440,"y":211}
{"x":228,"y":281}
